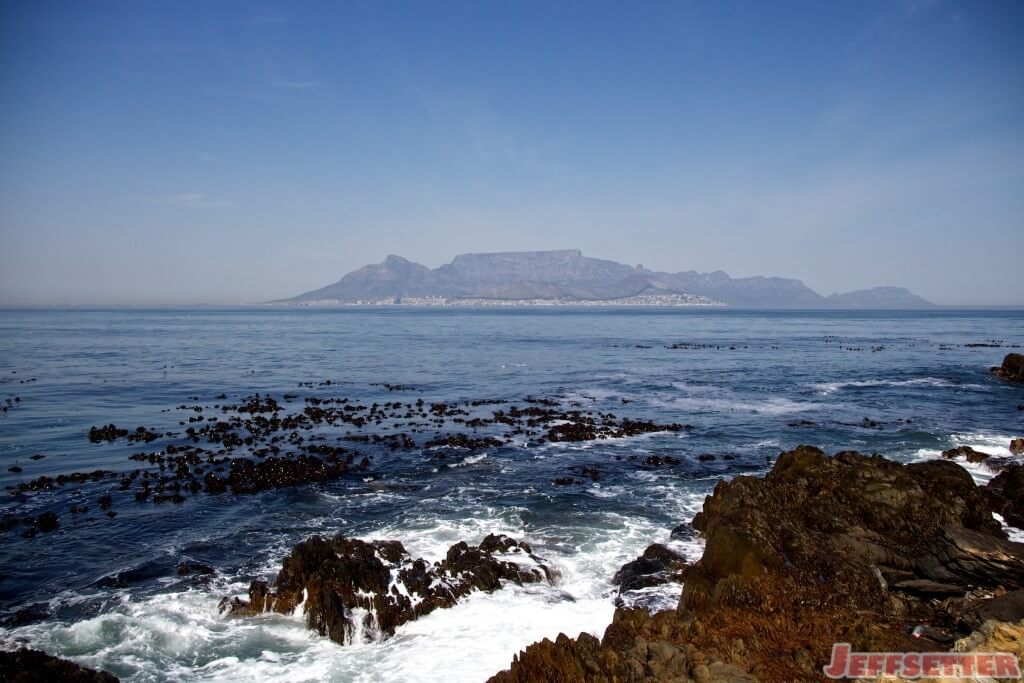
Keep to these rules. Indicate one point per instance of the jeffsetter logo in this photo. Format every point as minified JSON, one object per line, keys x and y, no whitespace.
{"x":847,"y":664}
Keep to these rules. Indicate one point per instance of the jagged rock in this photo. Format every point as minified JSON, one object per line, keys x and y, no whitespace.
{"x":32,"y":666}
{"x":968,"y":558}
{"x":971,"y":612}
{"x":635,"y":647}
{"x":821,"y":550}
{"x":1012,"y":368}
{"x":657,"y":565}
{"x":1017,"y":446}
{"x":966,"y":452}
{"x":1005,"y":495}
{"x":352,"y":590}
{"x":187,"y":567}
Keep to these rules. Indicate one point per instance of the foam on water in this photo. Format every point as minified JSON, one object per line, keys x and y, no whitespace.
{"x":827,"y":388}
{"x":996,"y":445}
{"x":180,"y":635}
{"x":774,"y":405}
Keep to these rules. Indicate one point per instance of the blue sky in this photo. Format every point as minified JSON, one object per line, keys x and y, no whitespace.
{"x":222,"y":152}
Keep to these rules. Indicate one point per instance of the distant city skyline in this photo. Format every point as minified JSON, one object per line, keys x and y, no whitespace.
{"x":195,"y":152}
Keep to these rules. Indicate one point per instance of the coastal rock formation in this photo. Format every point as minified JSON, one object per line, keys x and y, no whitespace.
{"x":658,"y":565}
{"x":31,"y":666}
{"x":1012,"y":368}
{"x":850,"y":548}
{"x":352,"y":590}
{"x":965,"y":452}
{"x":1017,"y":446}
{"x":1005,"y":495}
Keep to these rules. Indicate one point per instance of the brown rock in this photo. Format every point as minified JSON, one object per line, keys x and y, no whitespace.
{"x":966,"y":452}
{"x":1005,"y":494}
{"x":821,"y":550}
{"x":1012,"y":368}
{"x":657,"y":565}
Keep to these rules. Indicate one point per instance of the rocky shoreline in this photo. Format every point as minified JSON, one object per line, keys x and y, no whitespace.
{"x":823,"y":549}
{"x":849,"y":548}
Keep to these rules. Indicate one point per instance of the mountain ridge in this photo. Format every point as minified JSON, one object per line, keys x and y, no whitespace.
{"x":567,"y":275}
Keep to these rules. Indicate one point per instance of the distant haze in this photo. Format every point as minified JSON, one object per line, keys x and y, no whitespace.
{"x":198,"y":152}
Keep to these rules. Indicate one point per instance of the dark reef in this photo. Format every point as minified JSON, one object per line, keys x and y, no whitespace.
{"x":33,"y":666}
{"x":351,"y":590}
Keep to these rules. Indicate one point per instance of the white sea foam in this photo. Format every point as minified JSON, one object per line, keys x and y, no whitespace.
{"x":1013,"y":533}
{"x":995,"y":445}
{"x":826,"y":388}
{"x":181,"y":635}
{"x":775,"y":405}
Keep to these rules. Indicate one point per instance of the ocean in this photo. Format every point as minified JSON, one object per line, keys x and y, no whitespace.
{"x":104,"y":591}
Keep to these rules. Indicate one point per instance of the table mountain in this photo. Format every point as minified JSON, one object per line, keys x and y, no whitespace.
{"x":568,"y":275}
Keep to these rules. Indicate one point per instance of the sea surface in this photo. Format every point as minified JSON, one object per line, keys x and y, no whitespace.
{"x":104,"y":591}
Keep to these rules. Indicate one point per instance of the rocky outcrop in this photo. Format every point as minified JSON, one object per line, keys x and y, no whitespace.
{"x":635,"y":647}
{"x":31,"y":666}
{"x":965,"y":452}
{"x":850,"y":548}
{"x":1017,"y":446}
{"x":1005,"y":495}
{"x":1012,"y":368}
{"x":352,"y":590}
{"x":658,"y":565}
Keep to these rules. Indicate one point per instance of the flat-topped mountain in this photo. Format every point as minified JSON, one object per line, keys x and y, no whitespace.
{"x":568,"y":276}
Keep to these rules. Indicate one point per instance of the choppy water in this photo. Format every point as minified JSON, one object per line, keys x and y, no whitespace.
{"x":751,"y":383}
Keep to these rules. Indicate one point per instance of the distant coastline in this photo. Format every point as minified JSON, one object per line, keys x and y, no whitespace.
{"x":642,"y":301}
{"x":568,"y":278}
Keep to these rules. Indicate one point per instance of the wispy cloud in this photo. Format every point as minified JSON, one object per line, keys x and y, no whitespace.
{"x":187,"y":200}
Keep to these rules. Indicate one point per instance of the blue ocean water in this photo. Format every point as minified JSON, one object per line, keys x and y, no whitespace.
{"x":751,"y":383}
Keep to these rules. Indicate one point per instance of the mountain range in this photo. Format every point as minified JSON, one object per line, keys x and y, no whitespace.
{"x":568,"y":276}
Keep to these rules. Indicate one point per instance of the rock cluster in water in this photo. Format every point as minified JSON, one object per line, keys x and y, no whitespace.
{"x":352,"y":590}
{"x":263,"y":443}
{"x":850,"y":548}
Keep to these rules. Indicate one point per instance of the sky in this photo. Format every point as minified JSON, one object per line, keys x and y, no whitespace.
{"x":227,"y":152}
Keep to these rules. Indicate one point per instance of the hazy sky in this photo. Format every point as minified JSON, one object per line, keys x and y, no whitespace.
{"x":179,"y":152}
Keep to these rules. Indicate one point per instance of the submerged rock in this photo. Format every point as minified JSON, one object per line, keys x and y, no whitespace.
{"x":352,"y":590}
{"x":31,"y":666}
{"x":849,"y":548}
